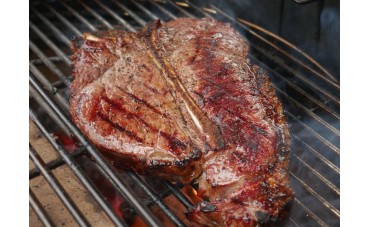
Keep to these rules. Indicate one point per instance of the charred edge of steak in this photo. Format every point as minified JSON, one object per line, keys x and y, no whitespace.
{"x":211,"y":132}
{"x":269,"y":99}
{"x":164,"y":170}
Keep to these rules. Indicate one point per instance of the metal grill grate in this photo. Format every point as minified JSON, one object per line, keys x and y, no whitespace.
{"x":309,"y":93}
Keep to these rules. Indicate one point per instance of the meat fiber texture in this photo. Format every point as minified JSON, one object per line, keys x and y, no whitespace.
{"x":180,"y":100}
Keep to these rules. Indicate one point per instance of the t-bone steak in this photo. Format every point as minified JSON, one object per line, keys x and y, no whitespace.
{"x":181,"y":100}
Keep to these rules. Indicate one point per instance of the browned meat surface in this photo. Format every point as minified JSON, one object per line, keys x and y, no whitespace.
{"x":181,"y":101}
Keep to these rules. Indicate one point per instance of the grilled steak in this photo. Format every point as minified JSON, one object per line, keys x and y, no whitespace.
{"x":180,"y":100}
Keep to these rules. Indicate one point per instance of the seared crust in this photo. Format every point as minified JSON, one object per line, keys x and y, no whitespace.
{"x":179,"y":100}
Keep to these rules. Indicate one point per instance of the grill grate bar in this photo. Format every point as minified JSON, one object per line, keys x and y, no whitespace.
{"x":161,"y":195}
{"x":316,"y":195}
{"x":49,"y":63}
{"x":138,"y":19}
{"x":314,"y":133}
{"x":103,"y":165}
{"x":181,"y":9}
{"x":165,"y":11}
{"x":200,"y":10}
{"x":54,"y":29}
{"x":309,"y":112}
{"x":334,"y":80}
{"x":300,"y":90}
{"x":203,"y":11}
{"x":37,"y":97}
{"x":310,"y":213}
{"x":115,"y":16}
{"x":155,"y":198}
{"x":96,"y":15}
{"x":240,"y":22}
{"x":318,"y":175}
{"x":308,"y":96}
{"x":316,"y":154}
{"x":299,"y":75}
{"x":40,"y":212}
{"x":54,"y":183}
{"x":49,"y":86}
{"x":76,"y":30}
{"x":41,"y":77}
{"x":164,"y":193}
{"x":79,"y":17}
{"x":53,"y":164}
{"x":52,"y":46}
{"x":293,"y":222}
{"x":40,"y":62}
{"x":131,"y":13}
{"x":77,"y":171}
{"x":145,"y":10}
{"x":181,"y":197}
{"x":65,"y":21}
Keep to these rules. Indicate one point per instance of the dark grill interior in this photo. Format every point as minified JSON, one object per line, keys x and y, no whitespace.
{"x":309,"y":93}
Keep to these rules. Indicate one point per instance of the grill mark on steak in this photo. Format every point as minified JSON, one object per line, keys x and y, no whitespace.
{"x":175,"y":145}
{"x":248,"y":122}
{"x":129,"y":133}
{"x":215,"y":99}
{"x":180,"y":119}
{"x":141,"y":101}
